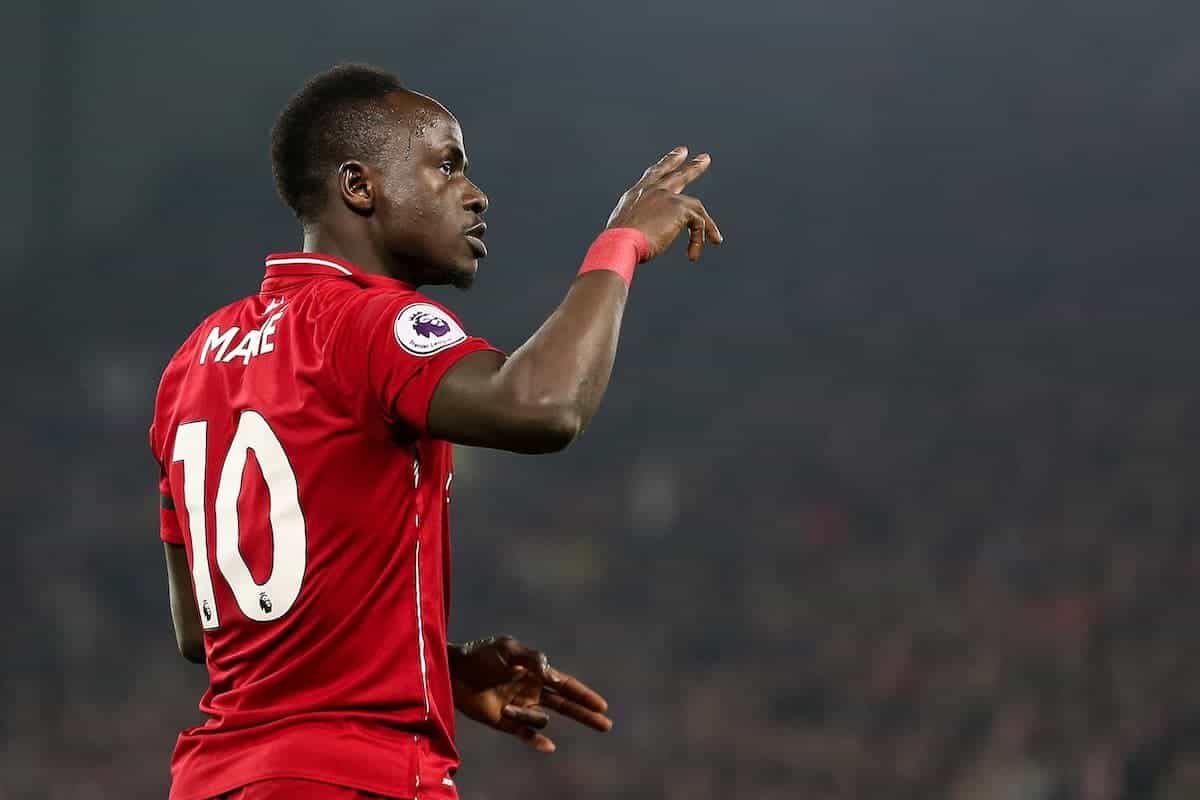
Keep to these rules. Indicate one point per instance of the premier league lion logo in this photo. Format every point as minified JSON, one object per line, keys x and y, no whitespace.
{"x":424,"y":329}
{"x":429,"y":325}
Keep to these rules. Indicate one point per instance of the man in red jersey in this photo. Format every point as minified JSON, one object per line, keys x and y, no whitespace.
{"x":304,"y":439}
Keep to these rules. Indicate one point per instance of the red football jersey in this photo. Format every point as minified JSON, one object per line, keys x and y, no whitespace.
{"x":297,"y":470}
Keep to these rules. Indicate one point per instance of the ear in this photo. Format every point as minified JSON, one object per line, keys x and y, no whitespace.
{"x":356,"y":187}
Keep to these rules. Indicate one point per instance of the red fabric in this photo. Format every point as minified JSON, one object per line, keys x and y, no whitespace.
{"x":333,"y":689}
{"x":618,"y":250}
{"x":296,"y":789}
{"x":168,"y":520}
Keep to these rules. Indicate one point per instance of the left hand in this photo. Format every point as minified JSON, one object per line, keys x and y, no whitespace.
{"x":507,"y":686}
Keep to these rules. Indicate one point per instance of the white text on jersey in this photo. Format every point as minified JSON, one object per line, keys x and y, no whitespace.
{"x":255,"y":342}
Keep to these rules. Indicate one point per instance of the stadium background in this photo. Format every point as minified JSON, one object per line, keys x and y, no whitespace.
{"x":892,"y":497}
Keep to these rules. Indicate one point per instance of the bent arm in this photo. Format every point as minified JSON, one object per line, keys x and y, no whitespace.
{"x":541,"y":397}
{"x":546,"y":393}
{"x":189,"y":633}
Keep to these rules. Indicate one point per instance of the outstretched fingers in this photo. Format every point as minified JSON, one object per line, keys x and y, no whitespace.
{"x":576,"y":711}
{"x":574,"y":690}
{"x":560,"y":692}
{"x":571,"y":697}
{"x":663,"y":166}
{"x":677,"y":180}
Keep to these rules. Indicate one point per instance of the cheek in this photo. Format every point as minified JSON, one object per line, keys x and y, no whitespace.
{"x":403,"y":193}
{"x":417,"y":202}
{"x":434,"y":210}
{"x":419,"y":216}
{"x":408,"y":212}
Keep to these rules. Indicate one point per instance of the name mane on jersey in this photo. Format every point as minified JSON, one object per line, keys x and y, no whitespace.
{"x":254,"y":342}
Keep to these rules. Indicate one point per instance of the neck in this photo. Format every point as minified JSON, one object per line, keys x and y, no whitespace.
{"x":353,"y":242}
{"x":356,"y":249}
{"x":360,"y":250}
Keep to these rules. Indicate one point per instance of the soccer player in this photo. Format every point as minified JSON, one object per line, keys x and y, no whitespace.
{"x":304,"y":440}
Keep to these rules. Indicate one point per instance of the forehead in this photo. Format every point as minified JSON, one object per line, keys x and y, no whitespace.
{"x":423,"y":123}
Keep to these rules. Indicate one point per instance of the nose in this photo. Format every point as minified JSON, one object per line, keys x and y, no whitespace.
{"x":474,"y":199}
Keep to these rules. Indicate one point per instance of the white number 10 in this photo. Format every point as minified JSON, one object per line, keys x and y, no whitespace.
{"x":261,"y":602}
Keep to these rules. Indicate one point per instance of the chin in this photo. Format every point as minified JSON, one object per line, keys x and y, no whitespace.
{"x":463,"y":277}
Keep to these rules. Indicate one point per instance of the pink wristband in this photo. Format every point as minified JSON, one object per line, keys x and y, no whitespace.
{"x":618,"y":250}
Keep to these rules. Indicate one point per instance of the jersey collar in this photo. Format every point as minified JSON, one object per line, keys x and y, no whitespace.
{"x":283,"y":268}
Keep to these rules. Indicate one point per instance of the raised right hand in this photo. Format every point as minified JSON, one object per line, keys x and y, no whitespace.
{"x":655,"y":206}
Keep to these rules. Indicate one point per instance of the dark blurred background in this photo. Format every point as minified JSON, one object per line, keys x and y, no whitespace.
{"x":894,"y":496}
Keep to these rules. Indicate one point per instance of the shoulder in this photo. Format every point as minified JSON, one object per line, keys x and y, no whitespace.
{"x":179,"y":364}
{"x":420,"y":325}
{"x":180,"y":358}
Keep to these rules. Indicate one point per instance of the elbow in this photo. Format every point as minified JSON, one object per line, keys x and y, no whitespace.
{"x":536,"y":420}
{"x":561,"y":429}
{"x":551,"y":428}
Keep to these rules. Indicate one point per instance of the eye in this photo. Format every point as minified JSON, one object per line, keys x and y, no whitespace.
{"x":447,"y":168}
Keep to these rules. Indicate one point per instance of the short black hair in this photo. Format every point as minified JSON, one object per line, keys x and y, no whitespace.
{"x":336,"y":116}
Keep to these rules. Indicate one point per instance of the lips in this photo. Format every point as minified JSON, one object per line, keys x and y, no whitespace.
{"x":474,"y":236}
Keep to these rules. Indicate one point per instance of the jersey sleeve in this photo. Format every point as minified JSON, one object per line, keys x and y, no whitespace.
{"x":168,"y":520}
{"x":397,"y":348}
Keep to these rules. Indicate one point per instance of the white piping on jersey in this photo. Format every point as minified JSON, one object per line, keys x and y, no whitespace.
{"x":271,"y":262}
{"x":420,"y":627}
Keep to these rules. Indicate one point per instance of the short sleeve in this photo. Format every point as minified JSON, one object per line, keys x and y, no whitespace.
{"x":168,"y":520}
{"x":397,"y":347}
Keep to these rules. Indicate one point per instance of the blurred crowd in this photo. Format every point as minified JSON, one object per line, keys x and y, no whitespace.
{"x":996,"y":603}
{"x":893,"y":496}
{"x":837,"y":581}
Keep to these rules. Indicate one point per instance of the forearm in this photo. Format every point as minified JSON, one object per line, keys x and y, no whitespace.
{"x":566,"y":364}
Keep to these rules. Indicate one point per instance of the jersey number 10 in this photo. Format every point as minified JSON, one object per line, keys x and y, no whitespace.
{"x":261,"y":602}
